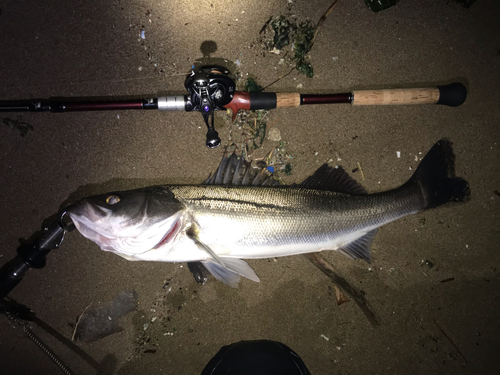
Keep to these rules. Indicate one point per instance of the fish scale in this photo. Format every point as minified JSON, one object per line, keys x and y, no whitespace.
{"x":271,"y":221}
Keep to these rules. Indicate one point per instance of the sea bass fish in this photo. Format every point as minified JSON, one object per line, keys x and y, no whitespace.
{"x":240,"y":214}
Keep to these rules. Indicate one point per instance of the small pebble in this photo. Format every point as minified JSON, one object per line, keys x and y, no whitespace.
{"x":274,"y":134}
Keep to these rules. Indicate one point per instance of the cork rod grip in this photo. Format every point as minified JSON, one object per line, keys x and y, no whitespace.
{"x":291,"y":99}
{"x":396,"y":96}
{"x":451,"y":95}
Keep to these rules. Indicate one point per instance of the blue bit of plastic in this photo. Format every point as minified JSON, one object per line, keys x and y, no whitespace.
{"x":270,"y":169}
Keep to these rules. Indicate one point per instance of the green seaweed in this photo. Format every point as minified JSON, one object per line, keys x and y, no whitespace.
{"x":282,"y":27}
{"x":299,"y":35}
{"x":252,"y":86}
{"x":302,"y":46}
{"x":260,"y":134}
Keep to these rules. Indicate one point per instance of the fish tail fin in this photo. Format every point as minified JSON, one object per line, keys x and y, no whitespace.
{"x":436,"y":177}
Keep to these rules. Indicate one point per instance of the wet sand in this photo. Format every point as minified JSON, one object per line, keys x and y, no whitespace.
{"x":434,"y":280}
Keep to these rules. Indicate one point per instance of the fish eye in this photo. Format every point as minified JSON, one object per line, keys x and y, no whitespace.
{"x":112,"y":199}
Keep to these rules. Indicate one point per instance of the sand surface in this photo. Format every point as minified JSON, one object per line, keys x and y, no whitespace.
{"x":434,"y":281}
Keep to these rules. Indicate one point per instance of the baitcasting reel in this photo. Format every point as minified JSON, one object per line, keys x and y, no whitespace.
{"x":210,"y":88}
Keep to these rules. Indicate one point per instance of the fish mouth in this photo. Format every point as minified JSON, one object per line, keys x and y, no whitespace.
{"x":86,"y":210}
{"x":106,"y":228}
{"x":86,"y":216}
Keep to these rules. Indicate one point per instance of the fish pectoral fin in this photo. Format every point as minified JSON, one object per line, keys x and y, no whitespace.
{"x":359,"y":248}
{"x":231,"y":271}
{"x":227,"y":270}
{"x":192,"y":233}
{"x":242,"y":268}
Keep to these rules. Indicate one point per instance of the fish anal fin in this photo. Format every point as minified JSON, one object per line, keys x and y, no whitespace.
{"x":333,"y":179}
{"x":359,"y":248}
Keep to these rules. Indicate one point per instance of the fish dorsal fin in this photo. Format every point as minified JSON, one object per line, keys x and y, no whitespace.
{"x":360,"y":248}
{"x":236,"y":171}
{"x":333,"y":179}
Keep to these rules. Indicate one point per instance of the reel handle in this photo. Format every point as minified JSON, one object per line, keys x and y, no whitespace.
{"x":213,"y":140}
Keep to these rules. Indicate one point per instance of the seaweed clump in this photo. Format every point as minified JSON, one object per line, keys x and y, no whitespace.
{"x":252,"y":86}
{"x":299,"y":36}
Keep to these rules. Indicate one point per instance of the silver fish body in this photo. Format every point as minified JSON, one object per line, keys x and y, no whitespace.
{"x":220,"y":225}
{"x":263,"y":222}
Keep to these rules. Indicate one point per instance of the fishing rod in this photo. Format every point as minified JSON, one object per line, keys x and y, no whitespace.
{"x":212,"y":88}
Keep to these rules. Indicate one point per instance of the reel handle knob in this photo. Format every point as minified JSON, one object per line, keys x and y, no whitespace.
{"x":213,"y":140}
